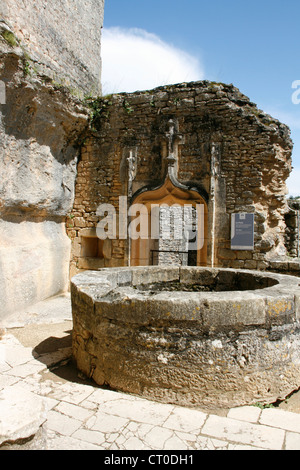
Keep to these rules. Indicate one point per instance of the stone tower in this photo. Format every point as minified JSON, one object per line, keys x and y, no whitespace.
{"x":49,"y":58}
{"x":62,"y":38}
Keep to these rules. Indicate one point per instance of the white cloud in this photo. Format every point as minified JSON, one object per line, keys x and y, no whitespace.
{"x":133,"y":59}
{"x":291,"y":119}
{"x":293,"y":183}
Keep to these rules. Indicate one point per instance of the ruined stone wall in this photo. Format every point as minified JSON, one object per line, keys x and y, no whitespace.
{"x":238,"y":157}
{"x":62,"y":38}
{"x":292,"y":220}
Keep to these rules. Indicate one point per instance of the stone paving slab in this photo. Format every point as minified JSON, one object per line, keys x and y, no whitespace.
{"x":250,"y":414}
{"x":242,"y":432}
{"x":78,"y":416}
{"x":22,"y":413}
{"x":54,"y":310}
{"x":292,"y":441}
{"x":281,"y":419}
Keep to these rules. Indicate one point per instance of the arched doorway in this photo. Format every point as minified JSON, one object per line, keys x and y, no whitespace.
{"x":174,"y":231}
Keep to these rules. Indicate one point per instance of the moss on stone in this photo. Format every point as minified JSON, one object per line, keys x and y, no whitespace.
{"x":10,"y":38}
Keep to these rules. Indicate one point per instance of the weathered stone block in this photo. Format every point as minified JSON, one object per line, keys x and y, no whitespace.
{"x":232,"y":311}
{"x":226,"y":254}
{"x":281,"y":310}
{"x":91,"y":263}
{"x":250,"y":264}
{"x":34,"y":260}
{"x":156,"y":274}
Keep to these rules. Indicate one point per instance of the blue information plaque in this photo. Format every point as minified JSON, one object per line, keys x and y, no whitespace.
{"x":242,"y":231}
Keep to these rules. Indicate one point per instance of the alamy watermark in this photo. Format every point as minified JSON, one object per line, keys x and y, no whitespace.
{"x":2,"y":93}
{"x":158,"y":221}
{"x":296,"y":94}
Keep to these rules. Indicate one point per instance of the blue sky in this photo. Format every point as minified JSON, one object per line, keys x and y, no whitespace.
{"x":254,"y":45}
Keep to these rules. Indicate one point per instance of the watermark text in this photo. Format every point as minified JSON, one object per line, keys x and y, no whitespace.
{"x":176,"y":222}
{"x":296,"y":94}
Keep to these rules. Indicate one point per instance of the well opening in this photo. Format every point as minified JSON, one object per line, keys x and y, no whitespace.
{"x":210,"y":281}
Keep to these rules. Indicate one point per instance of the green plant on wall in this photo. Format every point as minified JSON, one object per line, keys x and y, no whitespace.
{"x":99,"y":110}
{"x":11,"y":39}
{"x":127,"y":107}
{"x":70,"y":222}
{"x":264,"y":406}
{"x":27,"y":64}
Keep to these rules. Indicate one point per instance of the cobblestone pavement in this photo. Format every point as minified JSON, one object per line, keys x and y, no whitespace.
{"x":81,"y":416}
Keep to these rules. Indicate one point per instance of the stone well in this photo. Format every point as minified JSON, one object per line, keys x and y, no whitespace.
{"x":187,"y":335}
